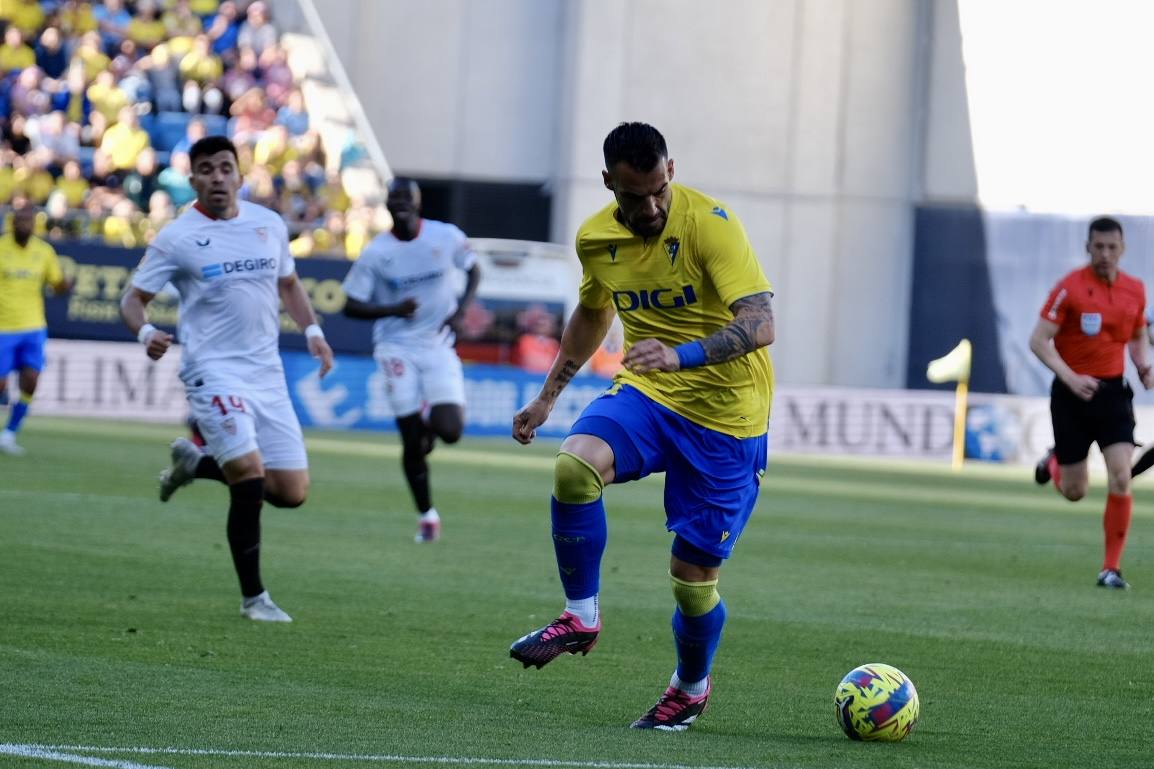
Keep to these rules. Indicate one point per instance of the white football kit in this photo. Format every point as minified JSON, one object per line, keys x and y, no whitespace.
{"x":416,"y":354}
{"x":227,"y":271}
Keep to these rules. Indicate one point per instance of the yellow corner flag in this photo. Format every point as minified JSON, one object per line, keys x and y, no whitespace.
{"x":954,"y":366}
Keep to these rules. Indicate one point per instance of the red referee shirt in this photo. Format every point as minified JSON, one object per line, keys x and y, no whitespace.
{"x":1095,"y":320}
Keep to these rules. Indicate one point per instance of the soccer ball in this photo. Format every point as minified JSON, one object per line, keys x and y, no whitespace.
{"x":876,"y":702}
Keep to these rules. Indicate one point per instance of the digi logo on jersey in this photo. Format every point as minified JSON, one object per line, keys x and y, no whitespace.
{"x":210,"y":271}
{"x":654,"y":299}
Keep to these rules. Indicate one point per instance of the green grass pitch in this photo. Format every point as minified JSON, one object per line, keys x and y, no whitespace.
{"x":121,"y":643}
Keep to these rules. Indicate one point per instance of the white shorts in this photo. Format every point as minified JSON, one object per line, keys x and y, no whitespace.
{"x":237,"y":418}
{"x":415,"y":377}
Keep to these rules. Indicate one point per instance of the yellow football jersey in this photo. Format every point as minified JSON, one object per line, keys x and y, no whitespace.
{"x":24,"y":272}
{"x":677,"y":287}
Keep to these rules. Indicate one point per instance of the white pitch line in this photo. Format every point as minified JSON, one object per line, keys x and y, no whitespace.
{"x":51,"y":754}
{"x":381,"y":758}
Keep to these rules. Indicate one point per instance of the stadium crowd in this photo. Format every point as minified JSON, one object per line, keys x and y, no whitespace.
{"x":100,"y":101}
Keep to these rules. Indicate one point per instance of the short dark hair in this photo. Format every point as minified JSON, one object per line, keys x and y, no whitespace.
{"x":1105,"y":224}
{"x":210,"y":145}
{"x":406,"y":183}
{"x":638,"y":145}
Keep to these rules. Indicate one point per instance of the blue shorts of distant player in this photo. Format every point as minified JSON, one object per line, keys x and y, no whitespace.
{"x":711,"y":479}
{"x":21,"y":350}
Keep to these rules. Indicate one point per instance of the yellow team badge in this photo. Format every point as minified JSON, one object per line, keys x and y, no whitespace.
{"x":724,"y":535}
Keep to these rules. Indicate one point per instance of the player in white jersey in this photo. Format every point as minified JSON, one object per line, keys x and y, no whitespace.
{"x":404,"y":280}
{"x":230,"y":262}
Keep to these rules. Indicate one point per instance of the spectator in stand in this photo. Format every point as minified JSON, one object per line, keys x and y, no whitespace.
{"x":302,"y":246}
{"x":253,"y":116}
{"x":112,"y":19}
{"x":175,"y":179}
{"x":360,"y":230}
{"x":332,"y":195}
{"x":103,"y":173}
{"x":50,"y":54}
{"x":142,"y":181}
{"x":28,"y":96}
{"x":163,"y":75}
{"x":146,"y":29}
{"x":312,"y":156}
{"x":293,"y":115}
{"x":125,"y":57}
{"x":26,"y":16}
{"x":205,"y":9}
{"x":15,"y":135}
{"x":297,"y":203}
{"x":160,"y":212}
{"x":106,"y":97}
{"x":257,"y":32}
{"x":224,"y":31}
{"x":56,"y":140}
{"x":33,"y":180}
{"x":193,"y":132}
{"x":75,"y":18}
{"x":260,"y":188}
{"x":201,"y":70}
{"x":539,"y":339}
{"x":72,"y":184}
{"x":8,"y":161}
{"x":329,"y":239}
{"x":120,"y":225}
{"x":60,"y":224}
{"x":272,"y":149}
{"x":92,"y":134}
{"x":125,"y":139}
{"x":276,"y":75}
{"x":14,"y":53}
{"x":180,"y":21}
{"x":73,"y":100}
{"x":90,"y":53}
{"x":130,"y":74}
{"x":242,"y":76}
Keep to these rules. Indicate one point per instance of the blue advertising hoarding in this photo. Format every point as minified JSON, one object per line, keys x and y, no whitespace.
{"x":352,"y":396}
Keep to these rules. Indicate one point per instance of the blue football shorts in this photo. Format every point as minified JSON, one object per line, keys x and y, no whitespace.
{"x":711,"y":479}
{"x":21,"y":350}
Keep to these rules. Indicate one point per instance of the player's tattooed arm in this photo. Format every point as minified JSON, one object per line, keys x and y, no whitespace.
{"x":750,"y":329}
{"x":565,"y":374}
{"x":582,"y":336}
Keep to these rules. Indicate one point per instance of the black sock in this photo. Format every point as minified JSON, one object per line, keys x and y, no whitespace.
{"x":417,"y":474}
{"x":246,"y":498}
{"x":1144,"y":463}
{"x":208,"y":468}
{"x":414,"y":447}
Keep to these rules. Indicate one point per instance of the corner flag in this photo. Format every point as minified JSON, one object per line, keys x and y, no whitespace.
{"x":954,"y":366}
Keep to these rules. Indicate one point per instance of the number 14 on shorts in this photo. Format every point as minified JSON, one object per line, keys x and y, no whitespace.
{"x":228,"y":403}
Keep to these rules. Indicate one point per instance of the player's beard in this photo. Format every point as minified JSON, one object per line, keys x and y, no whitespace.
{"x":651,"y":228}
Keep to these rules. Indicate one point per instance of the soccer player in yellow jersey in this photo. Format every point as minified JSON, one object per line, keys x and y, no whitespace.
{"x":692,"y":401}
{"x":27,"y":265}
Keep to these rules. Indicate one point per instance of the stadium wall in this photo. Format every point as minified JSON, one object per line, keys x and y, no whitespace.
{"x":809,"y":118}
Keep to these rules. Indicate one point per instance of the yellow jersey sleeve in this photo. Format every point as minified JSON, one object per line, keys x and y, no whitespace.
{"x":728,"y":257}
{"x":593,"y":293}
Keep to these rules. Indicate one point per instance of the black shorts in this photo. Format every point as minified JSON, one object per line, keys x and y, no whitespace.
{"x":1106,"y":419}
